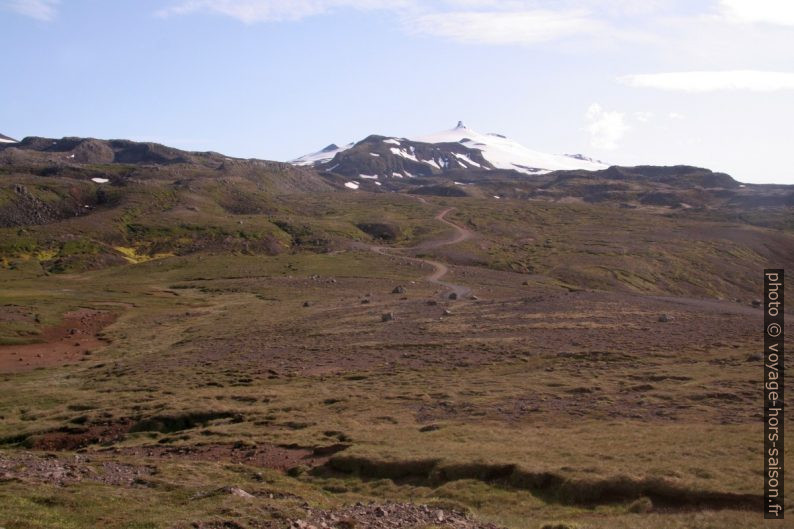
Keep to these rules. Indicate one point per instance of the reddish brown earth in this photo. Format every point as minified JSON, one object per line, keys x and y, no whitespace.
{"x":76,"y":437}
{"x":68,"y":342}
{"x":262,"y":455}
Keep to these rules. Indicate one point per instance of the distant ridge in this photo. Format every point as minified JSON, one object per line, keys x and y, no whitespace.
{"x":6,"y":139}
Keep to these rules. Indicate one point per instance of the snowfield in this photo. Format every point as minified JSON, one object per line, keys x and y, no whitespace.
{"x":504,"y":153}
{"x":325,"y":155}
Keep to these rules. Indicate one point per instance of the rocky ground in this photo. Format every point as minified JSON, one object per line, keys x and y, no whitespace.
{"x":388,"y":516}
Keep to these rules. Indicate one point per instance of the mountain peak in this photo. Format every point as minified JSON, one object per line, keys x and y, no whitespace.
{"x":460,"y":148}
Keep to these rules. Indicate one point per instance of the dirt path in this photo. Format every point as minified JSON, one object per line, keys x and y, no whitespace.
{"x":439,"y":269}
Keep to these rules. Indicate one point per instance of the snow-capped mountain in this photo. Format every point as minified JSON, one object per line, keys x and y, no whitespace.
{"x":6,"y":139}
{"x":459,"y":148}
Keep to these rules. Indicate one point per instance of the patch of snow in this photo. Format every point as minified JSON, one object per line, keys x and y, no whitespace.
{"x":403,"y":153}
{"x":332,"y":168}
{"x":71,"y":156}
{"x":397,"y":175}
{"x":100,"y":180}
{"x":377,"y":183}
{"x":459,"y":183}
{"x":325,"y":155}
{"x":431,"y":162}
{"x":496,"y":196}
{"x":409,"y":175}
{"x":351,"y":185}
{"x":391,"y":141}
{"x":466,"y":159}
{"x":369,"y":176}
{"x":376,"y":155}
{"x":4,"y":140}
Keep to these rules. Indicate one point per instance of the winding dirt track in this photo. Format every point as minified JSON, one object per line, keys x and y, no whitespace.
{"x":439,"y":269}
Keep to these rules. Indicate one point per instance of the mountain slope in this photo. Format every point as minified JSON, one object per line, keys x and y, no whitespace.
{"x":6,"y":139}
{"x":460,"y":148}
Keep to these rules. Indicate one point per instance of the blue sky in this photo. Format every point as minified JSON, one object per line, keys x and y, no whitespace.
{"x":708,"y":83}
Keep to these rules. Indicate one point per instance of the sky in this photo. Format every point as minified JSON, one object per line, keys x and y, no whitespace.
{"x":700,"y":82}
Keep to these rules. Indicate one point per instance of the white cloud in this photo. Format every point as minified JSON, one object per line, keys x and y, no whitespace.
{"x":778,"y":12}
{"x":675,"y":116}
{"x":250,"y":11}
{"x":505,"y":27}
{"x":643,"y":117}
{"x":754,"y":80}
{"x":39,"y":9}
{"x":606,"y":128}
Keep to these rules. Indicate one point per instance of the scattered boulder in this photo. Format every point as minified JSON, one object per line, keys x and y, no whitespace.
{"x":387,"y":316}
{"x":664,"y":318}
{"x":364,"y":301}
{"x":453,"y":295}
{"x":237,"y":491}
{"x":429,"y":428}
{"x":307,"y":303}
{"x":432,"y":302}
{"x":755,"y":357}
{"x":757,"y":303}
{"x":447,"y":312}
{"x":474,"y":298}
{"x":399,"y":289}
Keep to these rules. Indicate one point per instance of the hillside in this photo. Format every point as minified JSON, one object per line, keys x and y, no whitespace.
{"x":77,"y":204}
{"x":253,"y":345}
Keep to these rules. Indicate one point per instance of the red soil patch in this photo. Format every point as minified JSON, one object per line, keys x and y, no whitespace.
{"x":68,"y":342}
{"x":74,"y":438}
{"x":262,"y":455}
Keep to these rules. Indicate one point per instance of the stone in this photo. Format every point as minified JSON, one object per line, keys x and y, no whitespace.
{"x":387,"y":316}
{"x":664,"y":318}
{"x":399,"y":289}
{"x":237,"y":491}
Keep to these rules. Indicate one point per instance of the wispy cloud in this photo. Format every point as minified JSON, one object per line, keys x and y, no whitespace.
{"x":45,"y":10}
{"x":606,"y":128}
{"x":777,"y":12}
{"x":251,"y":11}
{"x":705,"y":81}
{"x":505,"y":27}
